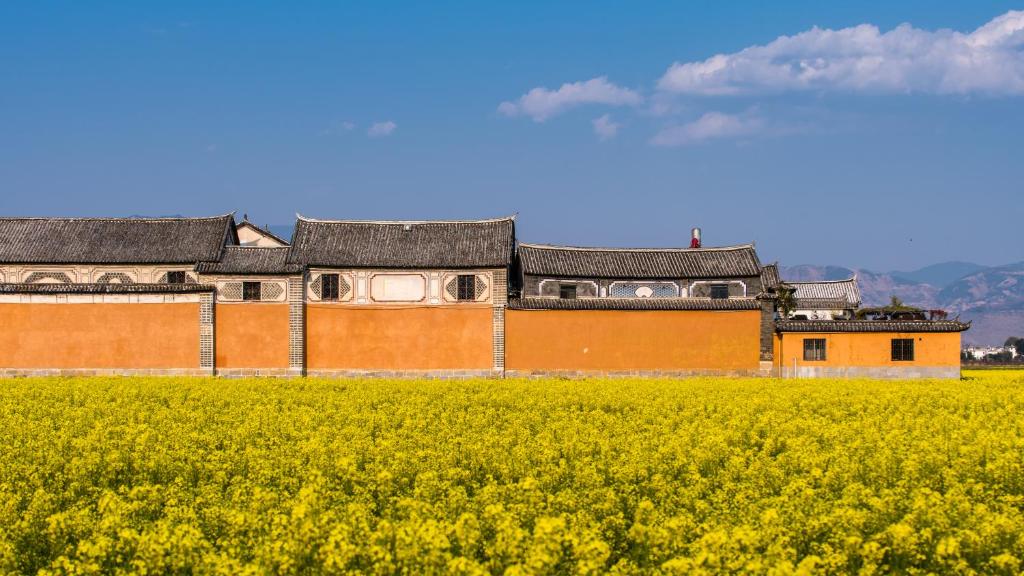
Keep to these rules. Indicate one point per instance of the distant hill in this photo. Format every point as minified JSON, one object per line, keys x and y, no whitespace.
{"x":992,"y":298}
{"x":940,"y":275}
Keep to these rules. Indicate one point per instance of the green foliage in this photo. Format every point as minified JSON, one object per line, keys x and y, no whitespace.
{"x":702,"y":476}
{"x":785,"y":300}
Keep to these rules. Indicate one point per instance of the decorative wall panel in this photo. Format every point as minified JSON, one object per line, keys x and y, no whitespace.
{"x":48,"y":278}
{"x":643,"y":290}
{"x":115,"y":278}
{"x":398,"y":287}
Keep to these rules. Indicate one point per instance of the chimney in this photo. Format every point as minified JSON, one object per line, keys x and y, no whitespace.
{"x":695,"y":238}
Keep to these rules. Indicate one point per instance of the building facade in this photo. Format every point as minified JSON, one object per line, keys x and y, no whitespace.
{"x":428,"y":298}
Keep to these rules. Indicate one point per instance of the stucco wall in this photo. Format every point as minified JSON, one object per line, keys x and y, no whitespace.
{"x":251,"y":335}
{"x":869,"y":354}
{"x":413,"y":338}
{"x":620,"y":340}
{"x":108,"y":335}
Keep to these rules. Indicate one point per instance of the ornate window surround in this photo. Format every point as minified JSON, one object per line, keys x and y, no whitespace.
{"x":343,"y":276}
{"x":226,"y":286}
{"x":540,"y":286}
{"x":483,"y":295}
{"x":709,"y":282}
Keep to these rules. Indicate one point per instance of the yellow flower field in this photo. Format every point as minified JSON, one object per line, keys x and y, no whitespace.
{"x":135,"y":475}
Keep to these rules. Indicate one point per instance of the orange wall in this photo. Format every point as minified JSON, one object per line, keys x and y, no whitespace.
{"x":870,"y":349}
{"x":424,"y":338}
{"x":99,"y":335}
{"x":251,"y":335}
{"x":621,"y":340}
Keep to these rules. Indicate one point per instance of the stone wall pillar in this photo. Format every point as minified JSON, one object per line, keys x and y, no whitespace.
{"x":297,"y":325}
{"x":767,"y":335}
{"x":500,"y":298}
{"x":207,"y":355}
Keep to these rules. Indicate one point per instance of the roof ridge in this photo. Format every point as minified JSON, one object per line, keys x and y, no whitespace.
{"x":608,"y":249}
{"x":116,"y":218}
{"x":399,"y":222}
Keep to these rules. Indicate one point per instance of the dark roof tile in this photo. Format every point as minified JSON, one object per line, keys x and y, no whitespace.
{"x":908,"y":326}
{"x":113,"y":240}
{"x":18,"y":288}
{"x":638,"y":263}
{"x":403,"y":244}
{"x":251,"y":260}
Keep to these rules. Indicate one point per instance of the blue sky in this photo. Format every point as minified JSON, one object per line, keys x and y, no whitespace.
{"x":886,"y":149}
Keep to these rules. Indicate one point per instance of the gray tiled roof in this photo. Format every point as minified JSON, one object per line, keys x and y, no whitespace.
{"x":251,"y":260}
{"x":830,"y":291}
{"x":871,"y":326}
{"x":770,"y":277}
{"x":633,"y":304}
{"x":114,"y":240}
{"x":403,"y":244}
{"x":18,"y":288}
{"x":638,"y":263}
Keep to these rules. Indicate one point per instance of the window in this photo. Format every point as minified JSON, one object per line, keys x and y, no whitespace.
{"x":814,"y":349}
{"x":902,"y":349}
{"x":567,"y":291}
{"x":328,"y":286}
{"x":251,"y":290}
{"x":719,"y":291}
{"x":176,"y":277}
{"x":467,"y":287}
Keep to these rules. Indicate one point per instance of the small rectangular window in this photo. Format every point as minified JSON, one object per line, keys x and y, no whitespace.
{"x":719,"y":291}
{"x":328,"y":286}
{"x":567,"y":291}
{"x":467,"y":287}
{"x":176,"y":277}
{"x":814,"y":349}
{"x":902,"y":349}
{"x":251,"y":290}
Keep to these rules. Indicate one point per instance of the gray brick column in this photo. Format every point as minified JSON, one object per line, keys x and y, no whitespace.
{"x":297,"y":325}
{"x":207,"y":355}
{"x":500,"y":298}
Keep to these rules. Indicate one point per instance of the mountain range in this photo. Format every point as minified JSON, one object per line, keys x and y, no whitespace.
{"x":991,"y":297}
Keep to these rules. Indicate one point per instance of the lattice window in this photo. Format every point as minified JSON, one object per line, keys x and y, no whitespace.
{"x":567,"y":291}
{"x":252,"y":290}
{"x":902,"y":349}
{"x":176,"y":277}
{"x":481,"y":286}
{"x":466,"y":289}
{"x":814,"y":349}
{"x":36,"y":277}
{"x":271,"y":291}
{"x":114,"y":278}
{"x":231,"y":291}
{"x":344,"y":288}
{"x":643,"y":290}
{"x":719,"y":291}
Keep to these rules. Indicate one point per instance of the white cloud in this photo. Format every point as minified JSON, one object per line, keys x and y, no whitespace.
{"x":605,"y":128}
{"x":347,"y":125}
{"x":380,"y":129}
{"x":541,"y":103}
{"x":989,"y":60}
{"x":712,"y":125}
